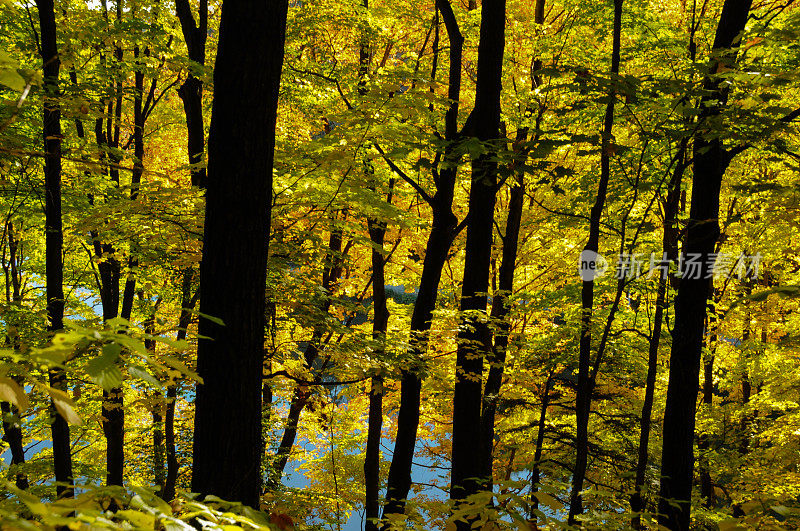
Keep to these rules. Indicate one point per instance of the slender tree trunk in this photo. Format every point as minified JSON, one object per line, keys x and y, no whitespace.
{"x":537,"y":454}
{"x":436,"y":250}
{"x":54,"y":238}
{"x":235,"y":250}
{"x":377,"y":231}
{"x":499,"y":316}
{"x":474,"y":338}
{"x":191,"y":91}
{"x":583,"y":397}
{"x":12,"y":421}
{"x":669,"y":245}
{"x":500,"y":302}
{"x":747,"y":388}
{"x":301,"y":394}
{"x":706,"y":484}
{"x":710,"y":162}
{"x":159,"y":451}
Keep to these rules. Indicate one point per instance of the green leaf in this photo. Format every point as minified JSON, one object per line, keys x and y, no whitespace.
{"x":104,"y":370}
{"x":8,"y":73}
{"x":142,"y":374}
{"x":548,"y":500}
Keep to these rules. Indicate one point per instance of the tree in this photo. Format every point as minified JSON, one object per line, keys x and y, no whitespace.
{"x":583,"y":395}
{"x":474,"y":339}
{"x":710,"y":161}
{"x":62,"y":452}
{"x":235,"y":247}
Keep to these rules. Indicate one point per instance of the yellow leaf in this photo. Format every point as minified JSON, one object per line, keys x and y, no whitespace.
{"x":142,"y":520}
{"x":64,"y":406}
{"x":729,"y":524}
{"x":10,"y":391}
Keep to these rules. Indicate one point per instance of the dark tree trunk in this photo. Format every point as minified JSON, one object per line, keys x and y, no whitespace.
{"x":537,"y":453}
{"x":474,"y":339}
{"x":191,"y":91}
{"x":159,"y":452}
{"x":747,"y":388}
{"x":54,"y":237}
{"x":500,"y":298}
{"x":670,"y":252}
{"x":436,"y":250}
{"x":499,"y":316}
{"x":301,"y":394}
{"x":235,"y":250}
{"x":583,"y":397}
{"x":12,"y":422}
{"x":372,"y":468}
{"x":706,"y":484}
{"x":710,"y":162}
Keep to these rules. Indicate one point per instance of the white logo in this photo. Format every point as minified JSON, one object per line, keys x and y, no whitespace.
{"x":591,"y":265}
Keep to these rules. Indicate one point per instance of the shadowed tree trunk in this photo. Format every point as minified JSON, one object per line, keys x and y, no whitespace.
{"x":710,"y":162}
{"x":669,"y":245}
{"x":228,"y":443}
{"x":583,"y":398}
{"x":195,"y":35}
{"x":537,"y":454}
{"x":54,"y":237}
{"x":300,"y":397}
{"x":12,"y":421}
{"x":436,"y":250}
{"x":500,"y":298}
{"x":474,"y":337}
{"x":159,"y":471}
{"x":188,"y":303}
{"x":372,"y":468}
{"x":191,"y":93}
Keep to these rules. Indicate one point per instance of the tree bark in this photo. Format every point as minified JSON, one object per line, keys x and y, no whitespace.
{"x":372,"y":465}
{"x":235,"y":250}
{"x":301,"y":394}
{"x":436,"y":250}
{"x":500,"y":298}
{"x":583,"y":397}
{"x":710,"y":162}
{"x":54,"y":237}
{"x":191,"y":91}
{"x":474,"y":338}
{"x":537,"y":454}
{"x":12,"y":421}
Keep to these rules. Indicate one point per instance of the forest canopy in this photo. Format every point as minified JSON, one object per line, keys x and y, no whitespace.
{"x":430,"y":264}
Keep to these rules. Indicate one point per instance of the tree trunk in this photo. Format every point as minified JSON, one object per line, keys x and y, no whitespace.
{"x":499,"y":316}
{"x":474,"y":339}
{"x":372,"y":468}
{"x":706,"y":485}
{"x":12,"y":422}
{"x":500,"y":303}
{"x":537,"y":454}
{"x":301,"y":394}
{"x":583,"y":397}
{"x":710,"y":162}
{"x":54,"y":237}
{"x":191,"y":91}
{"x":436,"y":250}
{"x":669,"y":245}
{"x":235,"y":250}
